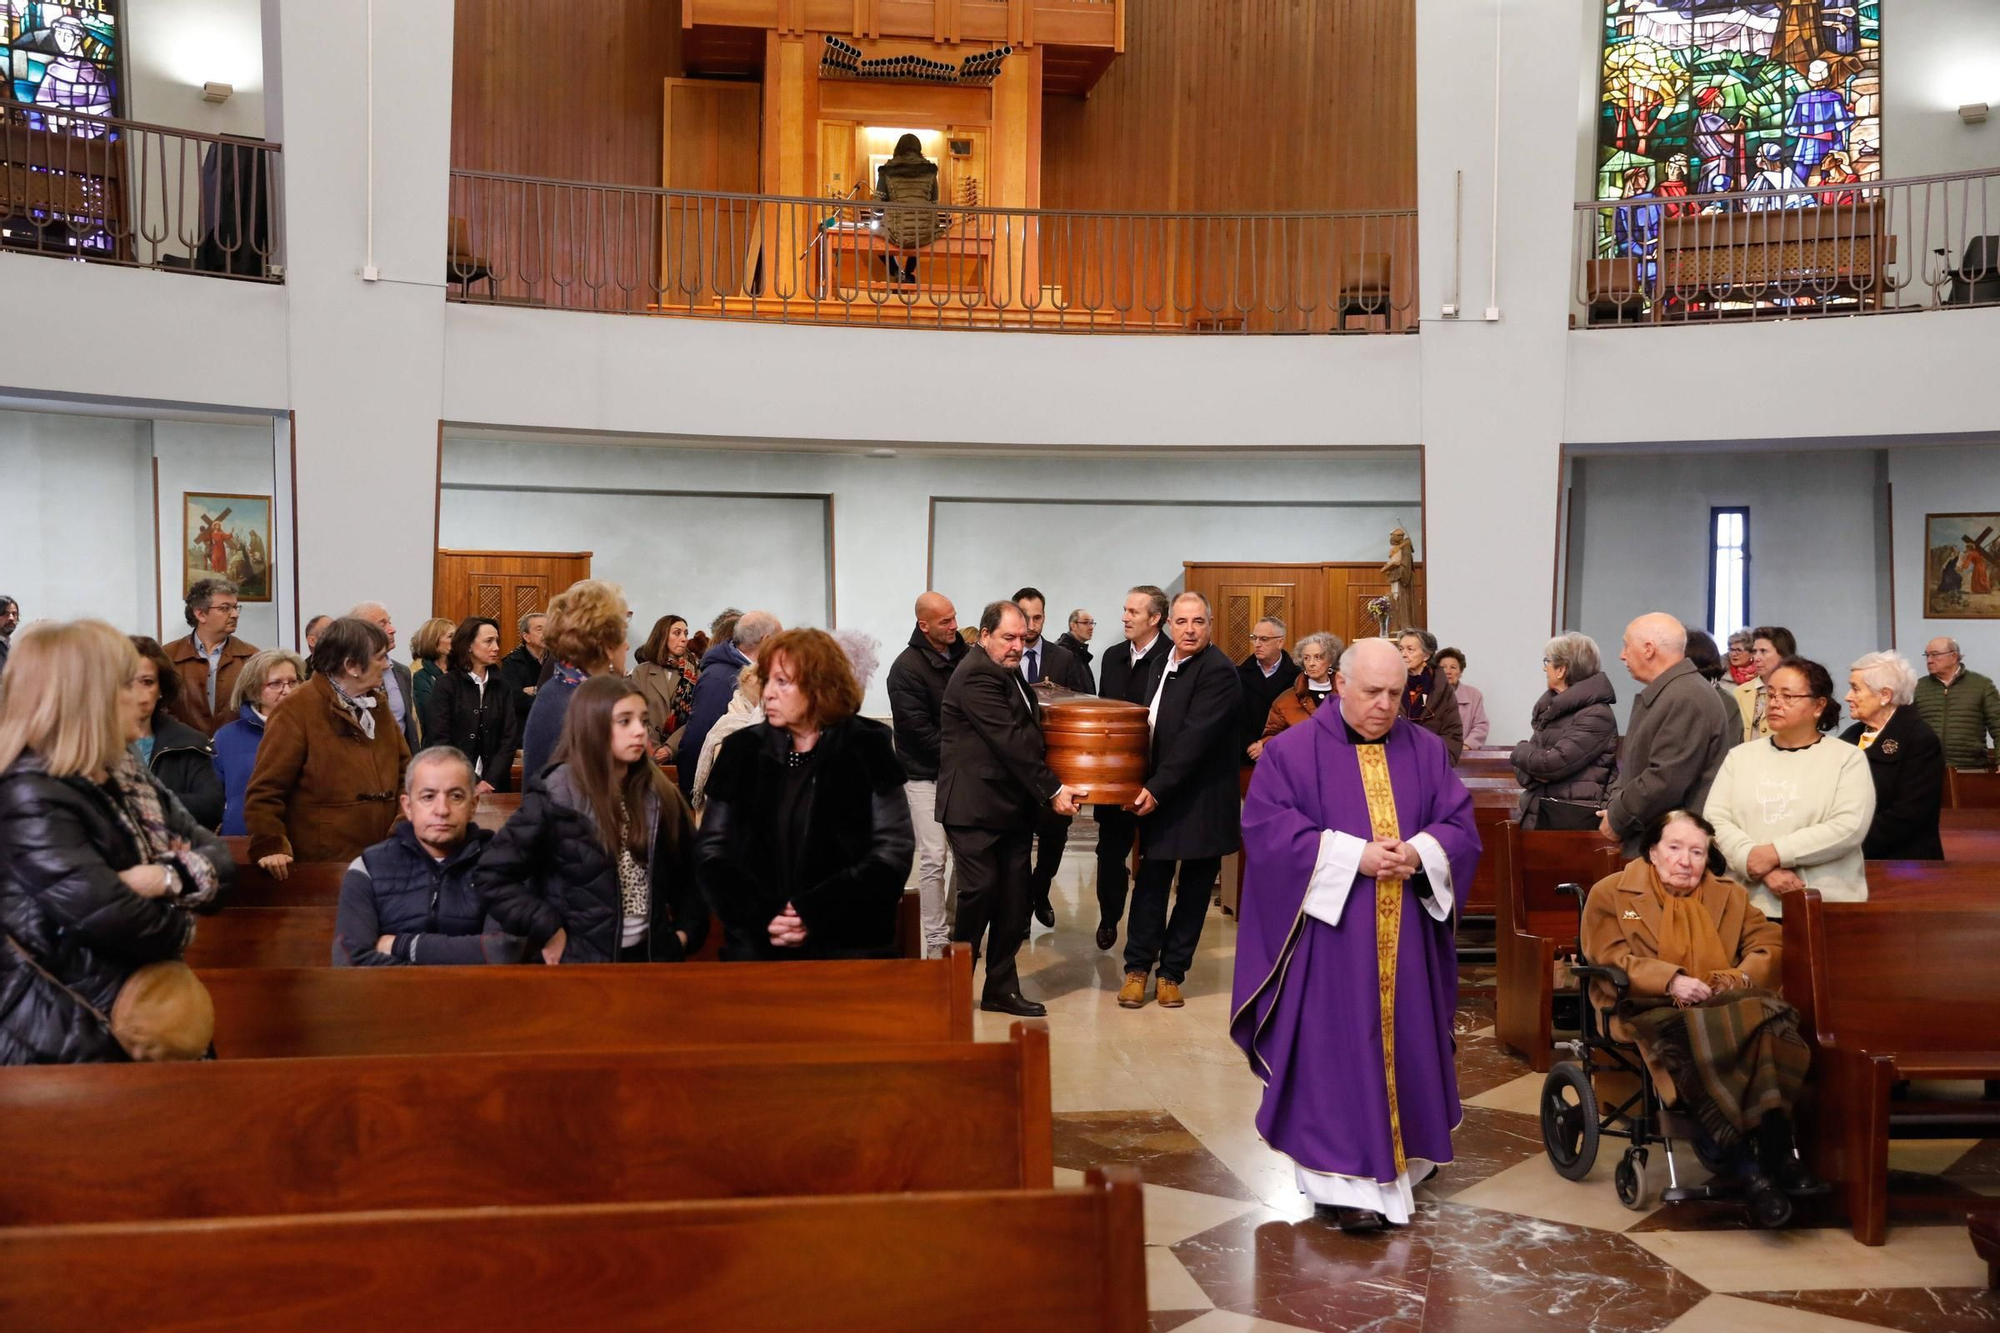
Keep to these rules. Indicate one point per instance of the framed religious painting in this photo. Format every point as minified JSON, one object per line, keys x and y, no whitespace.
{"x":1962,"y":566}
{"x":227,"y":536}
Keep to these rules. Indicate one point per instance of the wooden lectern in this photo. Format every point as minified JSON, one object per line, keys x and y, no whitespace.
{"x":759,"y":81}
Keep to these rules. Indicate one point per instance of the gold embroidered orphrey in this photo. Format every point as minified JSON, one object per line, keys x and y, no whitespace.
{"x":1388,"y":922}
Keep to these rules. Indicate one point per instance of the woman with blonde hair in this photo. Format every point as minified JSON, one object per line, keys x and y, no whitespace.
{"x":104,"y":865}
{"x":586,"y":637}
{"x":267,"y":680}
{"x":429,"y":649}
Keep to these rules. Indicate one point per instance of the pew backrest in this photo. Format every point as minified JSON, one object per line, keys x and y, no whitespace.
{"x":263,"y":937}
{"x":351,"y":1134}
{"x":1535,"y":861}
{"x":1888,"y":976}
{"x":1973,"y":790}
{"x":265,"y":1013}
{"x":1055,"y":1261}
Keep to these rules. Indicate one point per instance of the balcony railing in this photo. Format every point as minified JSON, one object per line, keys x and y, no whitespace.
{"x":1791,"y":251}
{"x":147,"y":196}
{"x":635,"y":250}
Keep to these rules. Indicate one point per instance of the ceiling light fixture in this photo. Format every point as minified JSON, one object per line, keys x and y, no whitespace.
{"x":217,"y":92}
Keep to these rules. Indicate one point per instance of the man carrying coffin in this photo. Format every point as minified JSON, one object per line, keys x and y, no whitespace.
{"x":1356,"y":834}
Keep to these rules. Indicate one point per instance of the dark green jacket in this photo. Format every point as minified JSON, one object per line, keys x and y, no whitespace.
{"x":1964,"y":715}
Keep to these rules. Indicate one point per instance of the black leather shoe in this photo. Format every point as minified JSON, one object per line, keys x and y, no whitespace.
{"x":1045,"y":913}
{"x":1107,"y":936}
{"x":1354,"y":1221}
{"x":1016,"y":1004}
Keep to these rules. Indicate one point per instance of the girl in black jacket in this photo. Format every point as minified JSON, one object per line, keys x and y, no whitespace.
{"x":179,"y":756}
{"x":471,"y":708}
{"x":104,"y":866}
{"x":597,"y":865}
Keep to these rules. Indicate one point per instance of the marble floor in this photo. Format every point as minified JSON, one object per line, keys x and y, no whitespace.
{"x":1501,"y":1241}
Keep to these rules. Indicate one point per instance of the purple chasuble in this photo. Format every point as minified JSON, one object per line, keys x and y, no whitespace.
{"x":1306,"y":1007}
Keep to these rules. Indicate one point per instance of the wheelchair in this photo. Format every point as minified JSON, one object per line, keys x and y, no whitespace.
{"x":1574,"y":1124}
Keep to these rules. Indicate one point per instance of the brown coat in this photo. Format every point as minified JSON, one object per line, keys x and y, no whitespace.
{"x":192,"y":707}
{"x":322,"y":790}
{"x":1293,"y":707}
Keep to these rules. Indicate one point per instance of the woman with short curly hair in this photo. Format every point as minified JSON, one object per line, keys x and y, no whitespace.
{"x":806,"y":838}
{"x":586,"y":637}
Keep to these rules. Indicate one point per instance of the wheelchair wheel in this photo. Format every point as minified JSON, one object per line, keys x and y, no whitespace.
{"x":1631,"y":1179}
{"x":1569,"y":1121}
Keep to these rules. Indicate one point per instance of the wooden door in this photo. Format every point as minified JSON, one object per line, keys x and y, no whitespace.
{"x":710,"y":141}
{"x":504,"y":585}
{"x":1242,"y":605}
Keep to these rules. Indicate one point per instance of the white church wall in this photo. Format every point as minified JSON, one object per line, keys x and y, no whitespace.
{"x":1940,"y":481}
{"x":78,"y":537}
{"x":211,"y":459}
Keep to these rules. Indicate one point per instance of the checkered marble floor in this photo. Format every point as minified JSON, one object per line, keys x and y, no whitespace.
{"x":1501,"y":1241}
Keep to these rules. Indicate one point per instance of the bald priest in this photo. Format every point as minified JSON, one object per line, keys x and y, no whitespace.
{"x":1356,"y":836}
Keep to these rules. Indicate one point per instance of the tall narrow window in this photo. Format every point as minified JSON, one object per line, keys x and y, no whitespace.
{"x":1728,"y":571}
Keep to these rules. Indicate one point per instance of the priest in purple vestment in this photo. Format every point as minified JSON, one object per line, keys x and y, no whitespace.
{"x":1357,"y":835}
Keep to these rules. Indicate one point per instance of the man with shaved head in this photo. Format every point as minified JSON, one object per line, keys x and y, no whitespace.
{"x":1358,"y":839}
{"x":916,"y":704}
{"x":1679,"y":731}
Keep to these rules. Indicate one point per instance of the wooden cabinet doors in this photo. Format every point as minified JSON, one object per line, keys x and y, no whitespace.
{"x":504,"y":585}
{"x":1242,"y":605}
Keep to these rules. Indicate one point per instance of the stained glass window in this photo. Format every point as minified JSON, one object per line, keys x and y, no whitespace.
{"x":62,"y":57}
{"x":1777,"y":98}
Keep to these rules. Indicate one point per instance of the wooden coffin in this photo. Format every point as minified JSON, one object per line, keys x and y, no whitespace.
{"x":1101,"y":744}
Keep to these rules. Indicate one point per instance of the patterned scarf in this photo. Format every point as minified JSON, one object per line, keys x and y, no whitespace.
{"x":634,"y":892}
{"x":684,"y":691}
{"x":362,"y":710}
{"x":1417,"y":694}
{"x":137,"y":802}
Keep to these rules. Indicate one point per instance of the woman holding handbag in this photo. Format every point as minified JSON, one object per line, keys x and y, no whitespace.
{"x":105,"y":867}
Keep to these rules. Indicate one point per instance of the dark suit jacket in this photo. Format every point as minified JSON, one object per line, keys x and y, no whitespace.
{"x":1907,"y":763}
{"x":1260,"y":692}
{"x":1116,"y":679}
{"x":410,"y":718}
{"x":1061,"y":666}
{"x":990,"y":773}
{"x":1193,"y":770}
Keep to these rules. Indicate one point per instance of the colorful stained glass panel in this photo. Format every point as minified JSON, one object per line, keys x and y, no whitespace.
{"x":62,"y":58}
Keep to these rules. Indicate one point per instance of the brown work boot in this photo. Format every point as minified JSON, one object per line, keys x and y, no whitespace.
{"x":1132,"y":995}
{"x":1170,"y":994}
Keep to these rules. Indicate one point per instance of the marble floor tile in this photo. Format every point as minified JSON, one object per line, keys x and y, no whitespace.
{"x":1487,"y":1143}
{"x":1169,"y":1286}
{"x":1821,"y":1259}
{"x":1931,"y":1157}
{"x":1912,"y":1309}
{"x":1308,"y":1273}
{"x":1733,"y":1314}
{"x":1982,"y":1160}
{"x":1522,"y":1095}
{"x":1223,"y":1321}
{"x":1157,"y":1144}
{"x":1532,"y":1188}
{"x":1484,"y":1065}
{"x":1173,"y":1215}
{"x":1165,"y":1321}
{"x":1915,"y":1200}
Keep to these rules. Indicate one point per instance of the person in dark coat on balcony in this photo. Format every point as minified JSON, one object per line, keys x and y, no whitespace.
{"x":908,"y":178}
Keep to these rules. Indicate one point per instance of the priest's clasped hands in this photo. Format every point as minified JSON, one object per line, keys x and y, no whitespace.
{"x":1390,"y":858}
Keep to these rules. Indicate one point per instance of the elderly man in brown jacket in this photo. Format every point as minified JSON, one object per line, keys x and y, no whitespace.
{"x":211,"y":658}
{"x":1677,"y":736}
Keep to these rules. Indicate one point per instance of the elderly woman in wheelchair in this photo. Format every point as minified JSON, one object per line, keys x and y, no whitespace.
{"x":1682,"y":972}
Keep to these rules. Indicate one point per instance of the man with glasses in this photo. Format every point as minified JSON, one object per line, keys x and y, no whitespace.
{"x":209,"y":659}
{"x":1267,"y":673}
{"x":1076,"y":640}
{"x":1961,"y":706}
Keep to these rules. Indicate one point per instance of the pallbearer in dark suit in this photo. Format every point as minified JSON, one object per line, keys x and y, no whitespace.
{"x":1041,"y":661}
{"x":993,"y":787}
{"x":1189,"y":818}
{"x":1130,"y":671}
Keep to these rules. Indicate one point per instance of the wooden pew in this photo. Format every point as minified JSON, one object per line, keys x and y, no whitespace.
{"x":308,"y":883}
{"x":1536,"y":925}
{"x":1933,"y":881}
{"x":1970,"y":790}
{"x":1054,"y":1261}
{"x":1986,"y":1243}
{"x":1494,"y":802}
{"x":263,"y":1014}
{"x":263,"y":937}
{"x":475,"y":1131}
{"x":1890,"y":990}
{"x":1970,"y":834}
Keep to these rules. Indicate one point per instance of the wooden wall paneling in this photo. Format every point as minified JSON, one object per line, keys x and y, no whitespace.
{"x":504,"y":585}
{"x":1326,"y":596}
{"x":710,"y":137}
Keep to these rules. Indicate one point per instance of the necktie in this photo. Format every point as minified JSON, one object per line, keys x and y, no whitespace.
{"x":1034,"y":665}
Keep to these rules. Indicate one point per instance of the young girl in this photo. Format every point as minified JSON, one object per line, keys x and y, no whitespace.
{"x":597,"y":866}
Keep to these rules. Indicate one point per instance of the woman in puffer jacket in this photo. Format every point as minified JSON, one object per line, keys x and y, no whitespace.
{"x":1573,"y":751}
{"x":104,"y":866}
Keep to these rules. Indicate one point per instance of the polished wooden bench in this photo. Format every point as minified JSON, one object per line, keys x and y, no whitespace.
{"x":1932,"y":881}
{"x":1537,"y":925}
{"x":263,"y":937}
{"x":1890,"y":990}
{"x":355,"y":1134}
{"x":1968,"y":789}
{"x":1494,"y":802}
{"x":306,"y":883}
{"x":1986,"y":1243}
{"x":1054,"y":1261}
{"x":280,"y":1012}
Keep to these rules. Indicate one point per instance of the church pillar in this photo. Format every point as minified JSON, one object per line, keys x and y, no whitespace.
{"x":1493,"y":388}
{"x":366,"y":349}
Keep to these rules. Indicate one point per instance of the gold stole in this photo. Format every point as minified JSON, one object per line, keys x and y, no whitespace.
{"x":1388,"y":922}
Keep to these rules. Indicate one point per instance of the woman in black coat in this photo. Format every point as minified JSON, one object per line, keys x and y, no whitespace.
{"x":104,"y":865}
{"x":1904,"y":758}
{"x":1572,"y":752}
{"x":471,"y":709}
{"x":597,"y":866}
{"x":806,"y":840}
{"x":179,"y":756}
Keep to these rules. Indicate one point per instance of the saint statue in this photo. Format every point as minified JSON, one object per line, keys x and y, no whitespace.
{"x":1401,"y":571}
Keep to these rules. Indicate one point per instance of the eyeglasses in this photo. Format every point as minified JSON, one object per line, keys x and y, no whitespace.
{"x":1267,"y":638}
{"x":1946,"y":653}
{"x":1792,"y":698}
{"x":1087,"y":623}
{"x":281,"y":686}
{"x":226,"y":608}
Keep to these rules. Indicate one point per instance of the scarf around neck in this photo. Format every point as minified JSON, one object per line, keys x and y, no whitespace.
{"x":362,"y":710}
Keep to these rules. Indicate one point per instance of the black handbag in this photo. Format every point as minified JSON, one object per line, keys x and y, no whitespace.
{"x":1566,"y":816}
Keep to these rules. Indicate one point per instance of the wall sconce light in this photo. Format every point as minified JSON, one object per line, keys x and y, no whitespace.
{"x":1973,"y":113}
{"x":217,"y":92}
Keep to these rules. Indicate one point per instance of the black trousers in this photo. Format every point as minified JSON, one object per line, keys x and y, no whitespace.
{"x":992,"y":898}
{"x":1155,"y":938}
{"x":1050,"y":838}
{"x":1115,"y":831}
